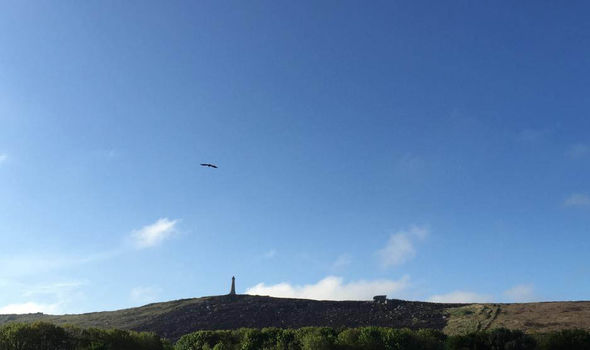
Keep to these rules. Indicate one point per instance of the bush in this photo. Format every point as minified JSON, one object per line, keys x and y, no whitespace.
{"x":571,"y":339}
{"x":371,"y":338}
{"x":205,"y":339}
{"x":319,"y":338}
{"x":46,"y":336}
{"x":287,"y":340}
{"x":348,"y":338}
{"x":497,"y":339}
{"x":252,"y":339}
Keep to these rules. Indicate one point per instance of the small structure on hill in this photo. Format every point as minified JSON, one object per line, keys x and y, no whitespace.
{"x":233,"y":286}
{"x":381,"y":299}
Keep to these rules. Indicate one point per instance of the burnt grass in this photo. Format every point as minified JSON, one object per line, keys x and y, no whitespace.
{"x":238,"y":311}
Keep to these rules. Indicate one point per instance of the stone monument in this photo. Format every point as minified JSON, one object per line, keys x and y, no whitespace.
{"x":233,"y":286}
{"x":381,"y":299}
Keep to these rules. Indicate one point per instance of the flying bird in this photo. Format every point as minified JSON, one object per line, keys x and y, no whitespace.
{"x":209,"y":165}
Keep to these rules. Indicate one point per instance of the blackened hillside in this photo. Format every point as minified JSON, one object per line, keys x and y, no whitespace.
{"x":175,"y":318}
{"x":231,"y":312}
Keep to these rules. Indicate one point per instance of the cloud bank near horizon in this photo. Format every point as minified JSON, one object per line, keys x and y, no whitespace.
{"x":460,"y":296}
{"x":577,"y":200}
{"x":333,"y":288}
{"x":521,"y":293}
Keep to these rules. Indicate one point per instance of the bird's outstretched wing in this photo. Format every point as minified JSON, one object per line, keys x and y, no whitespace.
{"x":209,"y":165}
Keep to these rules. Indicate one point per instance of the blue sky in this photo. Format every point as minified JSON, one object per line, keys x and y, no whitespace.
{"x":424,"y":150}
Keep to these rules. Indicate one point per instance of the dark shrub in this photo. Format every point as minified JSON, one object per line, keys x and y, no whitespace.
{"x":571,"y":339}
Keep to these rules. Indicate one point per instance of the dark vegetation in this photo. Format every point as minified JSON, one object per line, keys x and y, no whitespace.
{"x":175,"y":318}
{"x":46,"y":336}
{"x":246,"y":311}
{"x":379,"y":338}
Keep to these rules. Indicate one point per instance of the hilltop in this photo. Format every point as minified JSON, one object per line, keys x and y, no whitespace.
{"x":174,"y":318}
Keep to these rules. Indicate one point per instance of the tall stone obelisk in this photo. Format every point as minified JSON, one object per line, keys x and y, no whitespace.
{"x":233,"y":286}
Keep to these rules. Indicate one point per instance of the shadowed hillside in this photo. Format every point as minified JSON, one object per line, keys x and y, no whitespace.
{"x":175,"y":318}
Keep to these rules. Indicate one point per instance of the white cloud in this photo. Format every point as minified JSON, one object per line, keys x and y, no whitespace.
{"x":37,"y":264}
{"x":332,"y":288}
{"x":270,"y":254}
{"x":459,"y":296}
{"x":154,"y":234}
{"x":53,"y":298}
{"x":29,"y":308}
{"x":577,"y":200}
{"x":108,"y":153}
{"x":578,"y":150}
{"x":59,"y":288}
{"x":18,"y":265}
{"x":520,"y":293}
{"x":400,"y":246}
{"x":144,"y":295}
{"x":3,"y":157}
{"x":398,"y":250}
{"x":342,"y":261}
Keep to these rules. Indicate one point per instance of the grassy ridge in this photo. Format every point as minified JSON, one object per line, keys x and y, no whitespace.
{"x":528,"y":317}
{"x":176,"y":318}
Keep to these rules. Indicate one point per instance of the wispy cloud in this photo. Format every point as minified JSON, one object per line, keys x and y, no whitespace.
{"x":107,"y":154}
{"x":332,"y":288}
{"x":22,"y":265}
{"x":35,"y":264}
{"x":59,"y":289}
{"x":343,"y":260}
{"x":3,"y":157}
{"x":29,"y":308}
{"x":578,"y":150}
{"x":400,"y":246}
{"x":410,"y":164}
{"x":577,"y":200}
{"x":51,"y":298}
{"x":270,"y":254}
{"x":532,"y":135}
{"x":144,"y":295}
{"x":521,"y":293}
{"x":460,"y":296}
{"x":154,"y":234}
{"x":31,"y":264}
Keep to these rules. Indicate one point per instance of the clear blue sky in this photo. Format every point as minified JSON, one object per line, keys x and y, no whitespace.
{"x":420,"y":149}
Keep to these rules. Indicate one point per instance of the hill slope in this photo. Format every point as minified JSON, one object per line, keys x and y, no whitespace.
{"x":175,"y":318}
{"x":528,"y":317}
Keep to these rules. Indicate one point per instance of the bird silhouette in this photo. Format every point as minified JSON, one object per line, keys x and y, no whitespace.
{"x":209,"y":165}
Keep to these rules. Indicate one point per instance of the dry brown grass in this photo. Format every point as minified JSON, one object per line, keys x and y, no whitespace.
{"x":528,"y":317}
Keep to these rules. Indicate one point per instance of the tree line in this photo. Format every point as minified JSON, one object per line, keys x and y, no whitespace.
{"x":380,"y":338}
{"x":47,"y":336}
